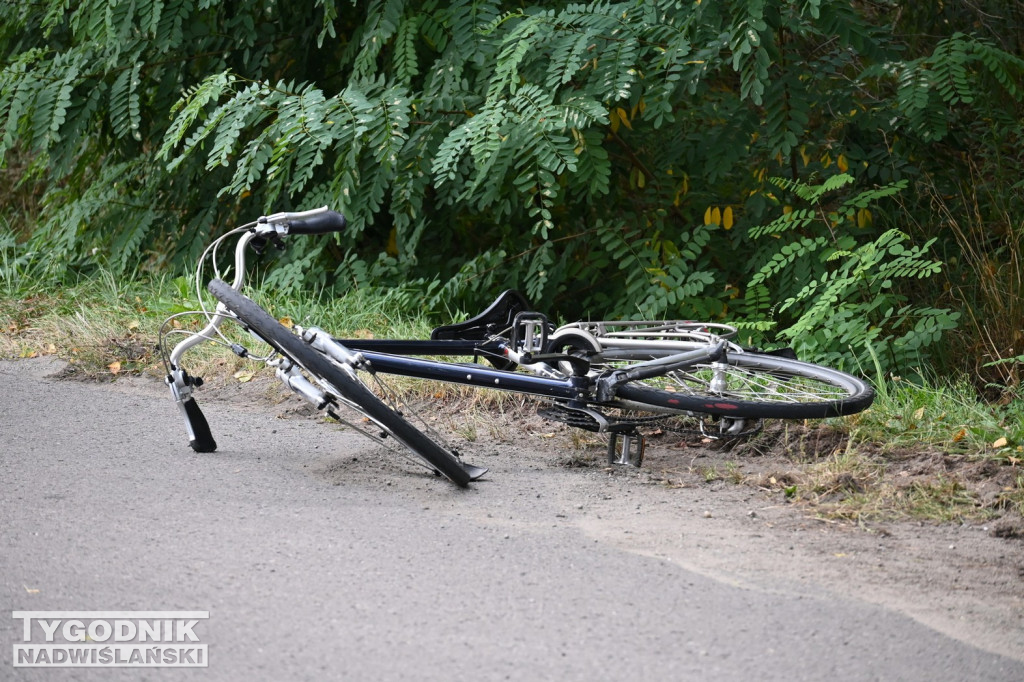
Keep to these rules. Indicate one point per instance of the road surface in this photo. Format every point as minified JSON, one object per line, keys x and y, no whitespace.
{"x":318,"y":557}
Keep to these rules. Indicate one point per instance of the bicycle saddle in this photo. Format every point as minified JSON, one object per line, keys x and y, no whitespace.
{"x":497,"y":317}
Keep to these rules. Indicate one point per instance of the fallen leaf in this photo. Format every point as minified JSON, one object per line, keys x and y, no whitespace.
{"x":243,"y":375}
{"x":959,"y":435}
{"x":287,"y":322}
{"x":1000,"y":443}
{"x":49,"y":349}
{"x":114,"y":367}
{"x":919,"y":413}
{"x":133,"y":325}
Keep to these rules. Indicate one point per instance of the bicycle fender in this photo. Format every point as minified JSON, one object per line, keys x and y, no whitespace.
{"x":474,"y":472}
{"x":200,"y":437}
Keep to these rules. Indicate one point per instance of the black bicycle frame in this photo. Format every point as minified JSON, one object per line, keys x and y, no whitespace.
{"x":391,"y":357}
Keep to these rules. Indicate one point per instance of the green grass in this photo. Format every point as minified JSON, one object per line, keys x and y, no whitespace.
{"x":928,"y":450}
{"x":92,"y":324}
{"x":104,"y":326}
{"x":942,"y":413}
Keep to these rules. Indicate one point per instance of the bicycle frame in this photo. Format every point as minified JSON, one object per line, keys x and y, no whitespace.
{"x":570,"y":388}
{"x":467,"y":374}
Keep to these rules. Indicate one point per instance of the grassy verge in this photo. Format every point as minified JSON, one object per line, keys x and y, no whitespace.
{"x":926,"y":451}
{"x":930,"y":451}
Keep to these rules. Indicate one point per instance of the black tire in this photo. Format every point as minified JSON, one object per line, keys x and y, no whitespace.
{"x":354,"y":392}
{"x":760,"y":387}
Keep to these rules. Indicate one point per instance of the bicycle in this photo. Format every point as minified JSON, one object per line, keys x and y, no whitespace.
{"x":611,"y":377}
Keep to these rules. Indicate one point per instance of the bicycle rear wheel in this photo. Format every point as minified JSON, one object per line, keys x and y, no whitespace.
{"x":752,"y":385}
{"x":338,"y":382}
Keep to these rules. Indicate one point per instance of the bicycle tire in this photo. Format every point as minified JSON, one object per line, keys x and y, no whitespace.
{"x":260,"y":322}
{"x":763,"y":387}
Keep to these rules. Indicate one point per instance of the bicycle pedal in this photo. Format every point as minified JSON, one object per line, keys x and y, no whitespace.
{"x":626,"y":448}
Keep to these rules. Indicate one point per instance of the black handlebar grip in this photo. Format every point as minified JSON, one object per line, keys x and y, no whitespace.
{"x":203,"y":440}
{"x":330,"y":221}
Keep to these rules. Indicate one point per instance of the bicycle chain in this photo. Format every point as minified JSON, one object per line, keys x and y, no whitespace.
{"x":582,"y":420}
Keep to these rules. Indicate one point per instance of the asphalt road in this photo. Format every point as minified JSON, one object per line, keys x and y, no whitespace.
{"x":317,"y":560}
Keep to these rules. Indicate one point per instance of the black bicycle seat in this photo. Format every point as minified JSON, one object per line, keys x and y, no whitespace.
{"x":497,"y":317}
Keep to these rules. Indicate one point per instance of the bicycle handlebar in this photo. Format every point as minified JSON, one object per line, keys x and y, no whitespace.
{"x":317,"y":221}
{"x":331,"y":221}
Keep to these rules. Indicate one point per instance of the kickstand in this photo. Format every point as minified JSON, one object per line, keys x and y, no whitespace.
{"x":626,"y":448}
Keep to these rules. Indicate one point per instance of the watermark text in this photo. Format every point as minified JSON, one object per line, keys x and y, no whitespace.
{"x":117,"y":639}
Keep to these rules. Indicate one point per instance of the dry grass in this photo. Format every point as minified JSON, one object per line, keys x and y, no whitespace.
{"x":988,"y":288}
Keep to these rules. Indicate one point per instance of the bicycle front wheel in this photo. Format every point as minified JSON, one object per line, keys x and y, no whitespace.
{"x":752,"y":385}
{"x":338,"y":382}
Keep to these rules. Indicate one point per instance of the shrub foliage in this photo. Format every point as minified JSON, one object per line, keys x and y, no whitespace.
{"x":756,"y":160}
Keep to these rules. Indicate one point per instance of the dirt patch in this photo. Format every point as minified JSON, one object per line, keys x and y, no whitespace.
{"x":818,"y":467}
{"x":810,"y":466}
{"x":801,"y":501}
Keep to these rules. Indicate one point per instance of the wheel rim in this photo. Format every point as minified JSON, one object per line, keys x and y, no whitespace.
{"x":741,"y":383}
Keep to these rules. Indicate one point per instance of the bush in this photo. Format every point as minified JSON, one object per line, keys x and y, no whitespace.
{"x":607,"y":158}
